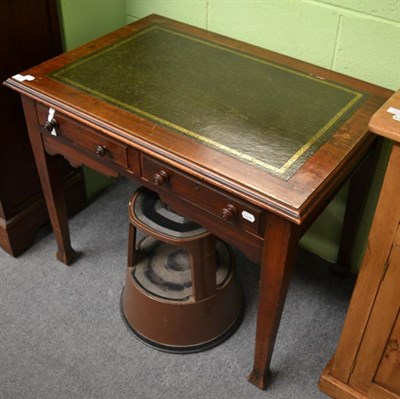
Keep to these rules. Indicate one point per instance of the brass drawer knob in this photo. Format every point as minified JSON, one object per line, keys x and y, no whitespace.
{"x":160,"y":178}
{"x":228,"y":212}
{"x":101,"y":150}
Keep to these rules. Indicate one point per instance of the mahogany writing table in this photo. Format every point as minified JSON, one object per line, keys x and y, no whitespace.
{"x":249,"y":143}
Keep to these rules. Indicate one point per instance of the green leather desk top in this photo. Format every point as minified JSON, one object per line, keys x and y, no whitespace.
{"x":259,"y":112}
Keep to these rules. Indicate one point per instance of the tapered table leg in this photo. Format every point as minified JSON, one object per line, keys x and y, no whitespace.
{"x":51,"y":183}
{"x":278,"y":259}
{"x":358,"y":188}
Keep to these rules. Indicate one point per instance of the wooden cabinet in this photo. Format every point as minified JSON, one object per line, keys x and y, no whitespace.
{"x":367,"y":360}
{"x":29,"y":34}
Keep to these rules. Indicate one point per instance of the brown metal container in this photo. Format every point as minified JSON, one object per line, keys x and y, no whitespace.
{"x":181,"y":294}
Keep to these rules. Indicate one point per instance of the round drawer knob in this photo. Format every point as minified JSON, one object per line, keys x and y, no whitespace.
{"x":101,"y":150}
{"x":160,"y":178}
{"x":228,"y":212}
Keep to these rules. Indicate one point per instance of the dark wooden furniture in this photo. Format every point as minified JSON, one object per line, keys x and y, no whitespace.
{"x":246,"y":142}
{"x":29,"y":34}
{"x":367,"y":360}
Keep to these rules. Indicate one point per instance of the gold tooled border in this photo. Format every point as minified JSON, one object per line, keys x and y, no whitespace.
{"x":281,"y":170}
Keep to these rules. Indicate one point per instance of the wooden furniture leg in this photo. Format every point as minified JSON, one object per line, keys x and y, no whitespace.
{"x":277,"y":264}
{"x":358,"y":187}
{"x":51,"y":185}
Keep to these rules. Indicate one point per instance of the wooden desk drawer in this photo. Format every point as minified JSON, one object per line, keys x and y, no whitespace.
{"x":84,"y":137}
{"x":228,"y":208}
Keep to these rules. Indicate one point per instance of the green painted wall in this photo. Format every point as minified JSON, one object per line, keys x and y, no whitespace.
{"x":85,"y":20}
{"x":360,"y":38}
